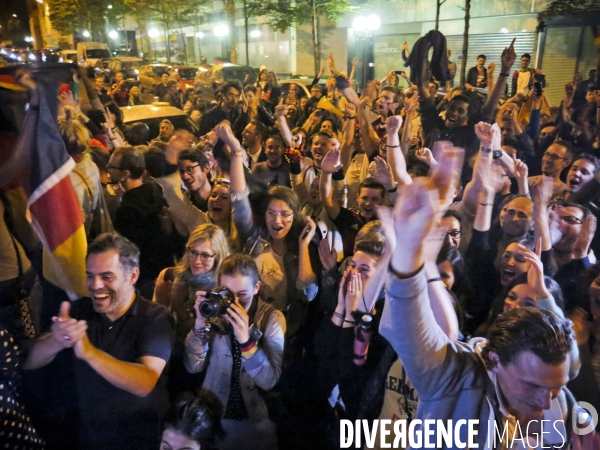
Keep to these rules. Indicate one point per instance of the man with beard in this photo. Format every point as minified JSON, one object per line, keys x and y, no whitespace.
{"x":554,"y":160}
{"x":117,"y":345}
{"x":253,"y":137}
{"x":227,"y":109}
{"x":275,"y":171}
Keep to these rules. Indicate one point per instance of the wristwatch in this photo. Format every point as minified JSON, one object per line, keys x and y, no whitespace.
{"x":497,"y":154}
{"x":486,"y":150}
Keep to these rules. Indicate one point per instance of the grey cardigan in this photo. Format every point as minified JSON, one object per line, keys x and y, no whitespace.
{"x":449,"y":376}
{"x":261,"y":370}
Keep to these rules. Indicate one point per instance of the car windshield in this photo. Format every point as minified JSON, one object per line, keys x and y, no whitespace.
{"x":187,"y":74}
{"x":239,"y":74}
{"x":128,"y":65}
{"x":158,"y":71}
{"x":98,"y":53}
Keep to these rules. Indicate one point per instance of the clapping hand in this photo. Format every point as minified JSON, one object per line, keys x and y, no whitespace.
{"x":67,"y":331}
{"x":332,"y":162}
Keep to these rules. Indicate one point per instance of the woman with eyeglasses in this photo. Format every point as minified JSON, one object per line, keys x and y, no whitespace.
{"x":176,"y":286}
{"x":279,"y":239}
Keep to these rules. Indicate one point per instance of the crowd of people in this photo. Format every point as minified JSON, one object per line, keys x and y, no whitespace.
{"x":401,"y":255}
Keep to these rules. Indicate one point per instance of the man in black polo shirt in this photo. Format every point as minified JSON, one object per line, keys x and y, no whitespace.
{"x":370,"y":194}
{"x":117,"y":345}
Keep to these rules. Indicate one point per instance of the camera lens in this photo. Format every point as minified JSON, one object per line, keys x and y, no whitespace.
{"x":209,"y":309}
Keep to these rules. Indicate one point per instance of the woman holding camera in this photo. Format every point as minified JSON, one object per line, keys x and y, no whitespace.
{"x":240,"y":350}
{"x":279,"y":241}
{"x":176,"y":289}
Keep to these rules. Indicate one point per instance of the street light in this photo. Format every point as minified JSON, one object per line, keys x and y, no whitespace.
{"x":200,"y":34}
{"x":255,"y":33}
{"x":109,"y":6}
{"x":365,"y":26}
{"x":14,"y":15}
{"x":113,"y":35}
{"x":373,"y":22}
{"x":86,"y":34}
{"x":221,"y":30}
{"x":153,"y":34}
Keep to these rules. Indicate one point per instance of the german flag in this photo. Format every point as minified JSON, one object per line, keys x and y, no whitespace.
{"x":52,"y":206}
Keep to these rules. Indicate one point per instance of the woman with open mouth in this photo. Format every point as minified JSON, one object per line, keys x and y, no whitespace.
{"x":279,"y":239}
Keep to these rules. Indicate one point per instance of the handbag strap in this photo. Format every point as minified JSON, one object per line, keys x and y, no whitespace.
{"x":10,"y":227}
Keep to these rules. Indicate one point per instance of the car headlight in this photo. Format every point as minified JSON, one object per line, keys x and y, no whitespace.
{"x":136,"y":71}
{"x":32,"y":56}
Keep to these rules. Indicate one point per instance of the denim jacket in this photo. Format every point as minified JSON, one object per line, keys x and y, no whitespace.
{"x":261,"y":370}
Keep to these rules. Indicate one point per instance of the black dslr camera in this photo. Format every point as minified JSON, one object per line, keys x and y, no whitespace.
{"x":216,"y":303}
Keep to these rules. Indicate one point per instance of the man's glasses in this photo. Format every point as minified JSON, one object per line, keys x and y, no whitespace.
{"x":283,"y":214}
{"x":189,"y":170}
{"x":552,"y":156}
{"x":571,"y":220}
{"x":203,"y":256}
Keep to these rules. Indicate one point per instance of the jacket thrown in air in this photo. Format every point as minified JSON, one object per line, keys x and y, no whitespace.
{"x":449,"y":376}
{"x":262,"y":370}
{"x":439,"y":60}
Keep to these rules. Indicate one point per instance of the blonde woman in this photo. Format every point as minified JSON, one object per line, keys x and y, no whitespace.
{"x":135,"y":97}
{"x":176,"y":287}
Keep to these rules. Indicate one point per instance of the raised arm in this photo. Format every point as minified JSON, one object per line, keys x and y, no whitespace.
{"x":439,"y":298}
{"x":542,"y":194}
{"x":489,"y":137}
{"x":411,"y":105}
{"x":408,"y":322}
{"x":395,"y":156}
{"x":282,"y":126}
{"x":330,"y":164}
{"x":507,"y":60}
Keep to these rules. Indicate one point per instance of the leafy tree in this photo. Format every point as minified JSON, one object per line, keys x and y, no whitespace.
{"x":284,"y":14}
{"x":68,"y":16}
{"x":559,"y":8}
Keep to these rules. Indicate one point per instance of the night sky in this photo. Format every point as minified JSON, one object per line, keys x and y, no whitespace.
{"x":10,"y":7}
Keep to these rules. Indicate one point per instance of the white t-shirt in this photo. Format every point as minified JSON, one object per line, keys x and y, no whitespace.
{"x":523,"y":82}
{"x":273,"y":288}
{"x":399,"y":400}
{"x":357,"y":171}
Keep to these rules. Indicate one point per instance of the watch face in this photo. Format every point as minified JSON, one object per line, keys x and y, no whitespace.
{"x":497,"y":154}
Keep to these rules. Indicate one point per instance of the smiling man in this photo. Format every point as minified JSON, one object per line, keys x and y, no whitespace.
{"x":275,"y":171}
{"x":555,"y":159}
{"x":117,"y":346}
{"x":193,"y":168}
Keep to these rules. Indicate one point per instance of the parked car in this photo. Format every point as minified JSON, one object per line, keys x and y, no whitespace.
{"x":211,"y":78}
{"x":88,"y":53}
{"x":152,"y":115}
{"x":130,"y":66}
{"x":149,"y":75}
{"x":284,"y":86}
{"x":69,"y":56}
{"x":185,"y":75}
